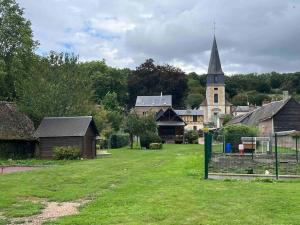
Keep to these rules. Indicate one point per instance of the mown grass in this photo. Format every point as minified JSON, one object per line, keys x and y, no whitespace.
{"x":152,"y":187}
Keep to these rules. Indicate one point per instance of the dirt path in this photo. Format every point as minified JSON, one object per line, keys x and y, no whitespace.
{"x":52,"y":211}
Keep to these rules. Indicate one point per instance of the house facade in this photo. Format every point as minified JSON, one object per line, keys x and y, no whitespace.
{"x":193,"y":118}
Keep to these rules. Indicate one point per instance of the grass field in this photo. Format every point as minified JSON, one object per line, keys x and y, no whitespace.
{"x":150,"y":187}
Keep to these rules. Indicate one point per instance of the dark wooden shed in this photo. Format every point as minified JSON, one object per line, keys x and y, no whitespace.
{"x":78,"y":131}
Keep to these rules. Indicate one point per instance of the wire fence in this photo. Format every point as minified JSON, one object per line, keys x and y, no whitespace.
{"x":275,"y":155}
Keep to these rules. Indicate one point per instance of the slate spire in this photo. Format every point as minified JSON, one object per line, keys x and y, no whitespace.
{"x":214,"y":62}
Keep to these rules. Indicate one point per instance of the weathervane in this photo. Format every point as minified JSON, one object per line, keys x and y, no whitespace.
{"x":214,"y":28}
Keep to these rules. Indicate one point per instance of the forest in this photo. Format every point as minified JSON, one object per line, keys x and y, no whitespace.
{"x":59,"y":84}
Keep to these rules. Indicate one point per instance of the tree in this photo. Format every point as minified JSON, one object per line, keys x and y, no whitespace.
{"x":151,"y":79}
{"x":55,"y":88}
{"x":16,"y":45}
{"x":133,"y":126}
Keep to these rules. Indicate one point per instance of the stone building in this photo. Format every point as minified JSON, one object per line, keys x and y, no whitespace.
{"x":192,"y":117}
{"x":215,"y":105}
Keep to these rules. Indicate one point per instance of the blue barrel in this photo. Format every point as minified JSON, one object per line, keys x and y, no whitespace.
{"x":228,"y":148}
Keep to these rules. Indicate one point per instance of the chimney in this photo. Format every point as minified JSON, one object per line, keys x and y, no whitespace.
{"x":285,"y":95}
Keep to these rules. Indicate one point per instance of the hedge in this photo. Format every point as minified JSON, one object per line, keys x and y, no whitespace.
{"x":155,"y":146}
{"x":119,"y":140}
{"x":149,"y":138}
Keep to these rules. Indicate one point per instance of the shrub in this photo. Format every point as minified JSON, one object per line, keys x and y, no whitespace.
{"x":118,"y":140}
{"x":191,"y":137}
{"x":155,"y":146}
{"x":67,"y":152}
{"x":234,"y":133}
{"x":148,"y":138}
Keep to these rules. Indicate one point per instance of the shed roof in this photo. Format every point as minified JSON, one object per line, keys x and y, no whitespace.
{"x":161,"y":100}
{"x":189,"y":112}
{"x":65,"y":126}
{"x":14,"y":125}
{"x":262,"y":113}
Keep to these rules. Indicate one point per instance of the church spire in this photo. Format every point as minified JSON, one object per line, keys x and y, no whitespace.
{"x":214,"y":62}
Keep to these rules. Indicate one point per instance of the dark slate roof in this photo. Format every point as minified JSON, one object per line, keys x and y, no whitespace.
{"x":244,"y":108}
{"x":214,"y":62}
{"x":189,"y":112}
{"x":64,"y":126}
{"x":14,"y":125}
{"x":169,"y":118}
{"x":262,"y":113}
{"x":161,"y":100}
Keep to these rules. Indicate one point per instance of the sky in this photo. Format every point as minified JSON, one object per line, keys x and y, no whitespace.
{"x":253,"y":36}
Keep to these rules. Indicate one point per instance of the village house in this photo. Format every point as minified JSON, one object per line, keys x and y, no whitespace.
{"x":273,"y":117}
{"x":16,"y":133}
{"x":192,"y":117}
{"x":79,"y":131}
{"x":146,"y":105}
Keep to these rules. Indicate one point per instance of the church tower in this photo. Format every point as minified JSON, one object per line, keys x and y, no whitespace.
{"x":215,"y":105}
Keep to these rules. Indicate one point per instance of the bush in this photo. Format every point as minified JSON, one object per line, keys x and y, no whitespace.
{"x":234,"y":133}
{"x":148,"y":138}
{"x":191,"y":137}
{"x":67,"y":152}
{"x":155,"y":146}
{"x":119,"y":140}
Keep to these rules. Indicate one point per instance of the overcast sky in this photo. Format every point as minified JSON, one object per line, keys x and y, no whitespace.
{"x":252,"y":36}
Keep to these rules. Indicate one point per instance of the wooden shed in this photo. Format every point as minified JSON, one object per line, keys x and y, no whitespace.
{"x":78,"y":131}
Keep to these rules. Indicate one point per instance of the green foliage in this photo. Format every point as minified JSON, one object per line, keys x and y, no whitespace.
{"x":118,"y":140}
{"x":66,"y":153}
{"x":55,"y":88}
{"x":191,"y":136}
{"x":151,"y":79}
{"x":148,"y":138}
{"x":227,"y":118}
{"x":16,"y":150}
{"x":155,"y":146}
{"x":16,"y":46}
{"x":234,"y":133}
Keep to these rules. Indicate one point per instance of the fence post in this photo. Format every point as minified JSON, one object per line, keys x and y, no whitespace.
{"x":276,"y":157}
{"x":297,"y":149}
{"x":207,"y":152}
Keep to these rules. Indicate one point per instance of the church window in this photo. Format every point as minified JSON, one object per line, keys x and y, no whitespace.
{"x":194,"y":118}
{"x":216,"y":98}
{"x":215,"y":89}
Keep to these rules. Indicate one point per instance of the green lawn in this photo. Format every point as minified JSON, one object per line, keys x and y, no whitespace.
{"x":150,"y":187}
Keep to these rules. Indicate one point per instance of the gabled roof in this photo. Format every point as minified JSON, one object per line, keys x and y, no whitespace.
{"x":244,"y":108}
{"x":161,"y":100}
{"x":14,"y":125}
{"x":169,"y":118}
{"x":65,"y":126}
{"x":262,"y":113}
{"x":214,"y":62}
{"x":189,"y":112}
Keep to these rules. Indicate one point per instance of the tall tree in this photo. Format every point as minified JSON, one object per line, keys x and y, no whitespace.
{"x":16,"y":45}
{"x":151,"y":79}
{"x":56,"y":88}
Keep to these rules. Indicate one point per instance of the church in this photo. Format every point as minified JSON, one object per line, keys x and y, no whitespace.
{"x":215,"y":106}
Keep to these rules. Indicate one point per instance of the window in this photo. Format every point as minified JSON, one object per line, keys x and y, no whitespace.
{"x":195,"y":119}
{"x":195,"y":128}
{"x":215,"y":89}
{"x":216,"y":98}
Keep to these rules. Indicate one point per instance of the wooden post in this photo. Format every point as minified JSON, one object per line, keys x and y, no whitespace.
{"x":276,"y":157}
{"x":207,"y":150}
